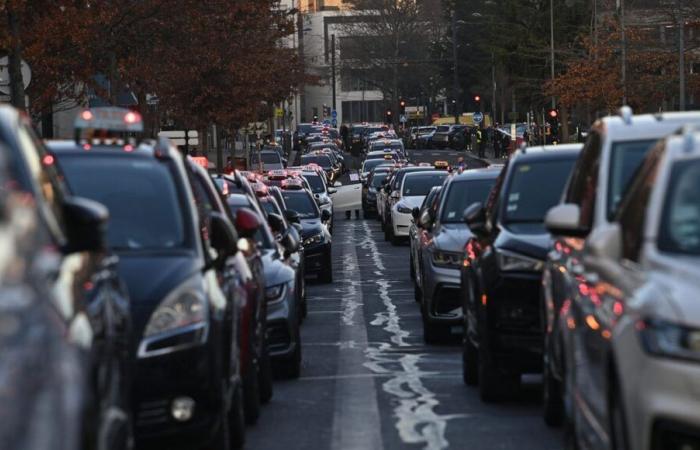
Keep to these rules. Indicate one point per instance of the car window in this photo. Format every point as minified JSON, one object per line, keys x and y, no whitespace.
{"x":322,"y":160}
{"x":377,"y":179}
{"x":584,"y":181}
{"x":119,"y":183}
{"x":370,"y":164}
{"x":632,"y":212}
{"x":533,"y":189}
{"x":420,"y":184}
{"x":315,"y":183}
{"x":460,"y":195}
{"x":625,"y":158}
{"x":680,"y":220}
{"x":302,"y":203}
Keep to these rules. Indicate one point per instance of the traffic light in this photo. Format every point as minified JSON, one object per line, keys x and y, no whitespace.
{"x":402,"y":103}
{"x":553,"y":121}
{"x":477,"y":99}
{"x":389,"y":116}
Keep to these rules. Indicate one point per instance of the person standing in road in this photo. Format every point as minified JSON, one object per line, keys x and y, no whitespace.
{"x":344,"y":132}
{"x":497,"y":137}
{"x":480,"y":142}
{"x":526,"y":137}
{"x":505,"y":145}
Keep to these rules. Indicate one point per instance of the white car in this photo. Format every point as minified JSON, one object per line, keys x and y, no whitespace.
{"x":414,"y":187}
{"x":634,"y":330}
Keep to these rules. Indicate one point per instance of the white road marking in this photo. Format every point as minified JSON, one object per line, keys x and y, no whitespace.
{"x":417,"y":421}
{"x":356,"y":412}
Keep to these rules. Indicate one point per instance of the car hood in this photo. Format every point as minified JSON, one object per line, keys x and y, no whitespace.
{"x":151,"y":277}
{"x":532,"y":245}
{"x":451,"y":237}
{"x":276,"y":271}
{"x":413,"y":201}
{"x":309,"y":227}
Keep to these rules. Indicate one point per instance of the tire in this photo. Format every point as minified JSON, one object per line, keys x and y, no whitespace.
{"x":236,"y":418}
{"x":494,"y":385}
{"x":552,"y":402}
{"x":265,"y":385}
{"x":412,"y":269}
{"x":432,"y":334}
{"x":291,"y":368}
{"x":470,"y":361}
{"x":251,"y":394}
{"x":387,"y":236}
{"x":417,"y":293}
{"x":394,"y":239}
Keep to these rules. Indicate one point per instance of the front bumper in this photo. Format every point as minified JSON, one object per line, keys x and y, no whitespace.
{"x":316,"y":257}
{"x":442,"y":295}
{"x":512,"y":316}
{"x":661,"y":396}
{"x":282,"y":323}
{"x":401,"y":223}
{"x":369,"y":202}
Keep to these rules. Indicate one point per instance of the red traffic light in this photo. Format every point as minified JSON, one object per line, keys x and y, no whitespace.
{"x":553,"y":113}
{"x":477,"y":98}
{"x":388,"y":113}
{"x":403,"y":103}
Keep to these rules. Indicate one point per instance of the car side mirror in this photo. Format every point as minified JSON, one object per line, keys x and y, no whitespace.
{"x":606,"y":242}
{"x":325,"y":215}
{"x":426,"y":221}
{"x":475,"y":218}
{"x":290,"y":242}
{"x":247,"y":223}
{"x":564,"y":220}
{"x":415,"y":212}
{"x":223,"y":236}
{"x":86,"y":223}
{"x":291,"y":216}
{"x":332,"y":191}
{"x":276,"y":222}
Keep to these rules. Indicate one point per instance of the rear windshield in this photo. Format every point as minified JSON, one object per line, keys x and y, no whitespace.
{"x":381,"y":156}
{"x":680,"y":223}
{"x":322,"y":160}
{"x":371,"y":164}
{"x":625,"y":159}
{"x":267,"y":158}
{"x":377,"y":178}
{"x":119,"y":183}
{"x":420,"y":184}
{"x":315,"y":183}
{"x":534,"y":188}
{"x":461,"y":195}
{"x":302,"y":203}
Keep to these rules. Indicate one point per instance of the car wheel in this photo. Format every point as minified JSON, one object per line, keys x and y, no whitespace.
{"x":470,"y":361}
{"x":412,"y":269}
{"x":432,"y":334}
{"x":291,"y":368}
{"x":618,"y":421}
{"x":265,"y":381}
{"x":552,"y":403}
{"x":393,"y":238}
{"x":236,"y":418}
{"x":251,"y":394}
{"x":494,"y":385}
{"x":387,"y":236}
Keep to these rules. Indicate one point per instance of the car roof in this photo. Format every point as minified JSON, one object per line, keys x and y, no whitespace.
{"x":486,"y":173}
{"x":626,"y":126}
{"x":547,"y":152}
{"x":146,"y":149}
{"x":428,"y":172}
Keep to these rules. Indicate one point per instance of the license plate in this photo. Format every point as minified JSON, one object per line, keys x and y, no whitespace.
{"x":457,"y":329}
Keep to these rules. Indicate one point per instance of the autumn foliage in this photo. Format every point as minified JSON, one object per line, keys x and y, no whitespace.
{"x":213,"y":61}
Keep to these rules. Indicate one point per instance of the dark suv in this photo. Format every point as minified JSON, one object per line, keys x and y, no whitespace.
{"x":65,"y":313}
{"x":187,"y":387}
{"x":502,"y":269}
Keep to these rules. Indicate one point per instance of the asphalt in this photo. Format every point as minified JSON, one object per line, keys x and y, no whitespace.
{"x":369,"y":382}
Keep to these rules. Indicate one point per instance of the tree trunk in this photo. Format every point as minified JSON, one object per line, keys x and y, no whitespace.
{"x":15,"y":60}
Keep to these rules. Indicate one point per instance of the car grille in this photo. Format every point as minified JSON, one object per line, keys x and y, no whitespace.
{"x":278,"y":337}
{"x":152,"y":413}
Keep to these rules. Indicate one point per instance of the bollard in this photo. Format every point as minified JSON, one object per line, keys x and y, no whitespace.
{"x":357,"y":214}
{"x":348,"y":213}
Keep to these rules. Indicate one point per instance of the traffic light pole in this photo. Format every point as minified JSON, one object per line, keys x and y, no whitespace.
{"x":333,"y":68}
{"x":455,"y":81}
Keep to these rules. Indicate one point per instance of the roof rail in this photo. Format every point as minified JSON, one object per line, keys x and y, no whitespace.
{"x":626,"y":114}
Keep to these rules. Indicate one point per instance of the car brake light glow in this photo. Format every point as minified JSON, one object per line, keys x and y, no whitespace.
{"x":48,"y":160}
{"x":132,"y":117}
{"x":128,"y":148}
{"x":86,"y":115}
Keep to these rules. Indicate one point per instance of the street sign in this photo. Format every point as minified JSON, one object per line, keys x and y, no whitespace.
{"x":334,"y":114}
{"x":403,"y":119}
{"x":478,"y":117}
{"x":334,"y":122}
{"x":177,"y":137}
{"x":5,"y":75}
{"x":279,"y":112}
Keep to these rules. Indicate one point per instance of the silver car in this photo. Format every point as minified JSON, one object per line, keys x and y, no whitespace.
{"x":438,"y":276}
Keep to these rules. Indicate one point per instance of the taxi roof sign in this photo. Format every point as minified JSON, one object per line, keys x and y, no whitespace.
{"x":201,"y":161}
{"x":109,"y":118}
{"x":441,"y":164}
{"x":293,"y":184}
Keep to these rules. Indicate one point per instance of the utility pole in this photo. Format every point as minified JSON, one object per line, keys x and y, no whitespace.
{"x":302,"y":97}
{"x":681,"y":56}
{"x":621,"y":5}
{"x":493,"y":87}
{"x":333,"y":67}
{"x":551,"y":45}
{"x":455,"y":81}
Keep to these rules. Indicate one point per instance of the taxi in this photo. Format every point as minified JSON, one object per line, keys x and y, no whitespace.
{"x":441,"y":165}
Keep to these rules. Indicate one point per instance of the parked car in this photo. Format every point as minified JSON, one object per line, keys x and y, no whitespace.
{"x":438,"y":276}
{"x":369,"y":190}
{"x":425,"y":136}
{"x":187,"y":386}
{"x":390,"y":192}
{"x":266,"y":160}
{"x":322,"y":193}
{"x":65,"y":365}
{"x":443,"y":136}
{"x":611,"y":155}
{"x":419,"y":236}
{"x":502,"y":269}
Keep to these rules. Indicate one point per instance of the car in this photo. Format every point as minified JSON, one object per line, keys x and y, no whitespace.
{"x":502,"y":268}
{"x":187,"y":385}
{"x":369,"y":164}
{"x":418,"y":235}
{"x":442,"y":137}
{"x":322,"y":193}
{"x":325,"y":162}
{"x":387,"y":144}
{"x":369,"y":191}
{"x":414,"y":187}
{"x":613,"y":150}
{"x":282,"y":293}
{"x":438,"y":276}
{"x":424,"y":138}
{"x":247,"y":268}
{"x":266,"y":160}
{"x":66,"y":317}
{"x":316,"y":239}
{"x":387,"y":197}
{"x":415,"y":134}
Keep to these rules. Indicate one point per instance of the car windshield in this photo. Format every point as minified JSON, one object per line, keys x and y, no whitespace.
{"x":462,"y":194}
{"x":321,"y":160}
{"x":625,"y":159}
{"x":261,"y":237}
{"x":302,"y":203}
{"x":119,"y":183}
{"x":534,"y":188}
{"x":370,"y":164}
{"x":267,"y":158}
{"x":377,"y":179}
{"x":315,"y":183}
{"x":420,"y":184}
{"x":680,"y":222}
{"x":396,"y":182}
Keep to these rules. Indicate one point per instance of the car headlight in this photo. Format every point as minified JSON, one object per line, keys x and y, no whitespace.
{"x":513,"y":262}
{"x":275,"y":292}
{"x":447,"y":259}
{"x":662,"y":338}
{"x":403,"y":209}
{"x":179,"y":321}
{"x":315,"y":239}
